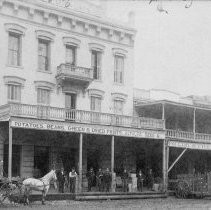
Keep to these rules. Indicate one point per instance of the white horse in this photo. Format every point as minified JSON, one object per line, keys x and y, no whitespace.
{"x":43,"y":185}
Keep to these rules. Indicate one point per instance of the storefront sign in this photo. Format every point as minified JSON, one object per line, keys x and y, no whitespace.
{"x":200,"y":146}
{"x":90,"y":129}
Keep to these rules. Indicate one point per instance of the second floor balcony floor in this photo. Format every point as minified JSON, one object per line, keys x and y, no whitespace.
{"x":76,"y":75}
{"x":78,"y":116}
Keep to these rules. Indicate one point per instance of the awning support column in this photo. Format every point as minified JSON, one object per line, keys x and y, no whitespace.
{"x":194,"y":123}
{"x":10,"y":154}
{"x":112,"y":164}
{"x":164,"y":166}
{"x":80,"y":163}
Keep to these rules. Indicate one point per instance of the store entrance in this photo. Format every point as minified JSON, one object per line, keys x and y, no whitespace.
{"x":68,"y":160}
{"x":41,"y":161}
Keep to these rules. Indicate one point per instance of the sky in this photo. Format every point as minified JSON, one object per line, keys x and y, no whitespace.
{"x":172,"y":51}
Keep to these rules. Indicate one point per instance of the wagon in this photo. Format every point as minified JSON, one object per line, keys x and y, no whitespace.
{"x":11,"y":190}
{"x":192,"y":185}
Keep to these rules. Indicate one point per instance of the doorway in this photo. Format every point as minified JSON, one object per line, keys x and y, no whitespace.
{"x":41,"y":160}
{"x":70,"y":106}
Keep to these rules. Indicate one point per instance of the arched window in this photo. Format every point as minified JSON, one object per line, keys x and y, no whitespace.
{"x":71,"y":45}
{"x":96,"y":97}
{"x":43,"y":92}
{"x":44,"y":49}
{"x":14,"y":85}
{"x":119,"y":100}
{"x":15,"y":33}
{"x":119,"y":62}
{"x":96,"y":59}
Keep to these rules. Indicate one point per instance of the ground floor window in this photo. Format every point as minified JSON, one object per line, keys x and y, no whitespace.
{"x":41,"y":161}
{"x":16,"y":157}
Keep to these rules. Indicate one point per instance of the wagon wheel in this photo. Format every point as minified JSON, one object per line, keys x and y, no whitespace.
{"x":4,"y":192}
{"x":182,"y":189}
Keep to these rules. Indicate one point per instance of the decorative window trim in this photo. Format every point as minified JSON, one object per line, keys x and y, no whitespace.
{"x":119,"y":96}
{"x":96,"y":47}
{"x":73,"y":90}
{"x":96,"y":93}
{"x":45,"y":35}
{"x":44,"y":85}
{"x":71,"y":41}
{"x":119,"y":52}
{"x":15,"y":28}
{"x":13,"y":80}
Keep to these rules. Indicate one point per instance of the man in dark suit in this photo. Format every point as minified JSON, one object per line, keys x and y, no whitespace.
{"x":90,"y":177}
{"x":61,"y":180}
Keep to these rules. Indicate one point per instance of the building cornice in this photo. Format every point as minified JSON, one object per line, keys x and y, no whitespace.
{"x":60,"y":18}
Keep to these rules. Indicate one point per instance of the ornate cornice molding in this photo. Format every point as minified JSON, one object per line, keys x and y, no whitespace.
{"x":61,"y":18}
{"x":14,"y":80}
{"x":16,"y":28}
{"x":96,"y":92}
{"x":44,"y":84}
{"x":71,"y":41}
{"x":119,"y":96}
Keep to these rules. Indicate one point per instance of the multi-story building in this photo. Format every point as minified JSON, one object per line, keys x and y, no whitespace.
{"x":66,"y":84}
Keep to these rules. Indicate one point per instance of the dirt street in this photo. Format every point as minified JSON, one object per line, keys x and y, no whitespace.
{"x":169,"y":203}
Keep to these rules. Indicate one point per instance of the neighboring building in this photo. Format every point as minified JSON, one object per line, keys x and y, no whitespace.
{"x":66,"y":85}
{"x":188,"y":126}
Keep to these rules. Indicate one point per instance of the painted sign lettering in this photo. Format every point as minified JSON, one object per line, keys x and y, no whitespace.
{"x":90,"y":129}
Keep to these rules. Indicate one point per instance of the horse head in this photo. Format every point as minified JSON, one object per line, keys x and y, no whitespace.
{"x":54,"y":177}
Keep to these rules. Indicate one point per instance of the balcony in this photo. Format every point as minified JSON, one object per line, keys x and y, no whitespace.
{"x":183,"y":135}
{"x":80,"y":116}
{"x":75,"y":75}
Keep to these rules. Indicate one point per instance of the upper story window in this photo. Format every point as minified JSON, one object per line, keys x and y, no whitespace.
{"x":96,"y":103}
{"x":43,"y":55}
{"x":14,"y":51}
{"x":71,"y":46}
{"x":119,"y":65}
{"x":96,"y":64}
{"x":119,"y":100}
{"x":44,"y":92}
{"x":96,"y":59}
{"x":14,"y":93}
{"x":43,"y":96}
{"x":71,"y":54}
{"x":15,"y":34}
{"x":14,"y":86}
{"x":96,"y":97}
{"x":119,"y":69}
{"x":118,"y":106}
{"x":45,"y":39}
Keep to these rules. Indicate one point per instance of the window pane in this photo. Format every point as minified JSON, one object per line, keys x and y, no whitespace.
{"x":96,"y":64}
{"x":70,"y":54}
{"x":96,"y":103}
{"x":14,"y":49}
{"x":118,"y":107}
{"x":43,"y":55}
{"x":119,"y":68}
{"x":43,"y":96}
{"x":14,"y":93}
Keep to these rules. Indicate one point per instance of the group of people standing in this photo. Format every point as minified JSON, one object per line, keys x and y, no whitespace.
{"x":141,"y":178}
{"x":68,"y":181}
{"x":103,"y":179}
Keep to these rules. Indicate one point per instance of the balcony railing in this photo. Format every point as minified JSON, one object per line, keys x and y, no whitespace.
{"x":183,"y":135}
{"x":71,"y":71}
{"x":81,"y":116}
